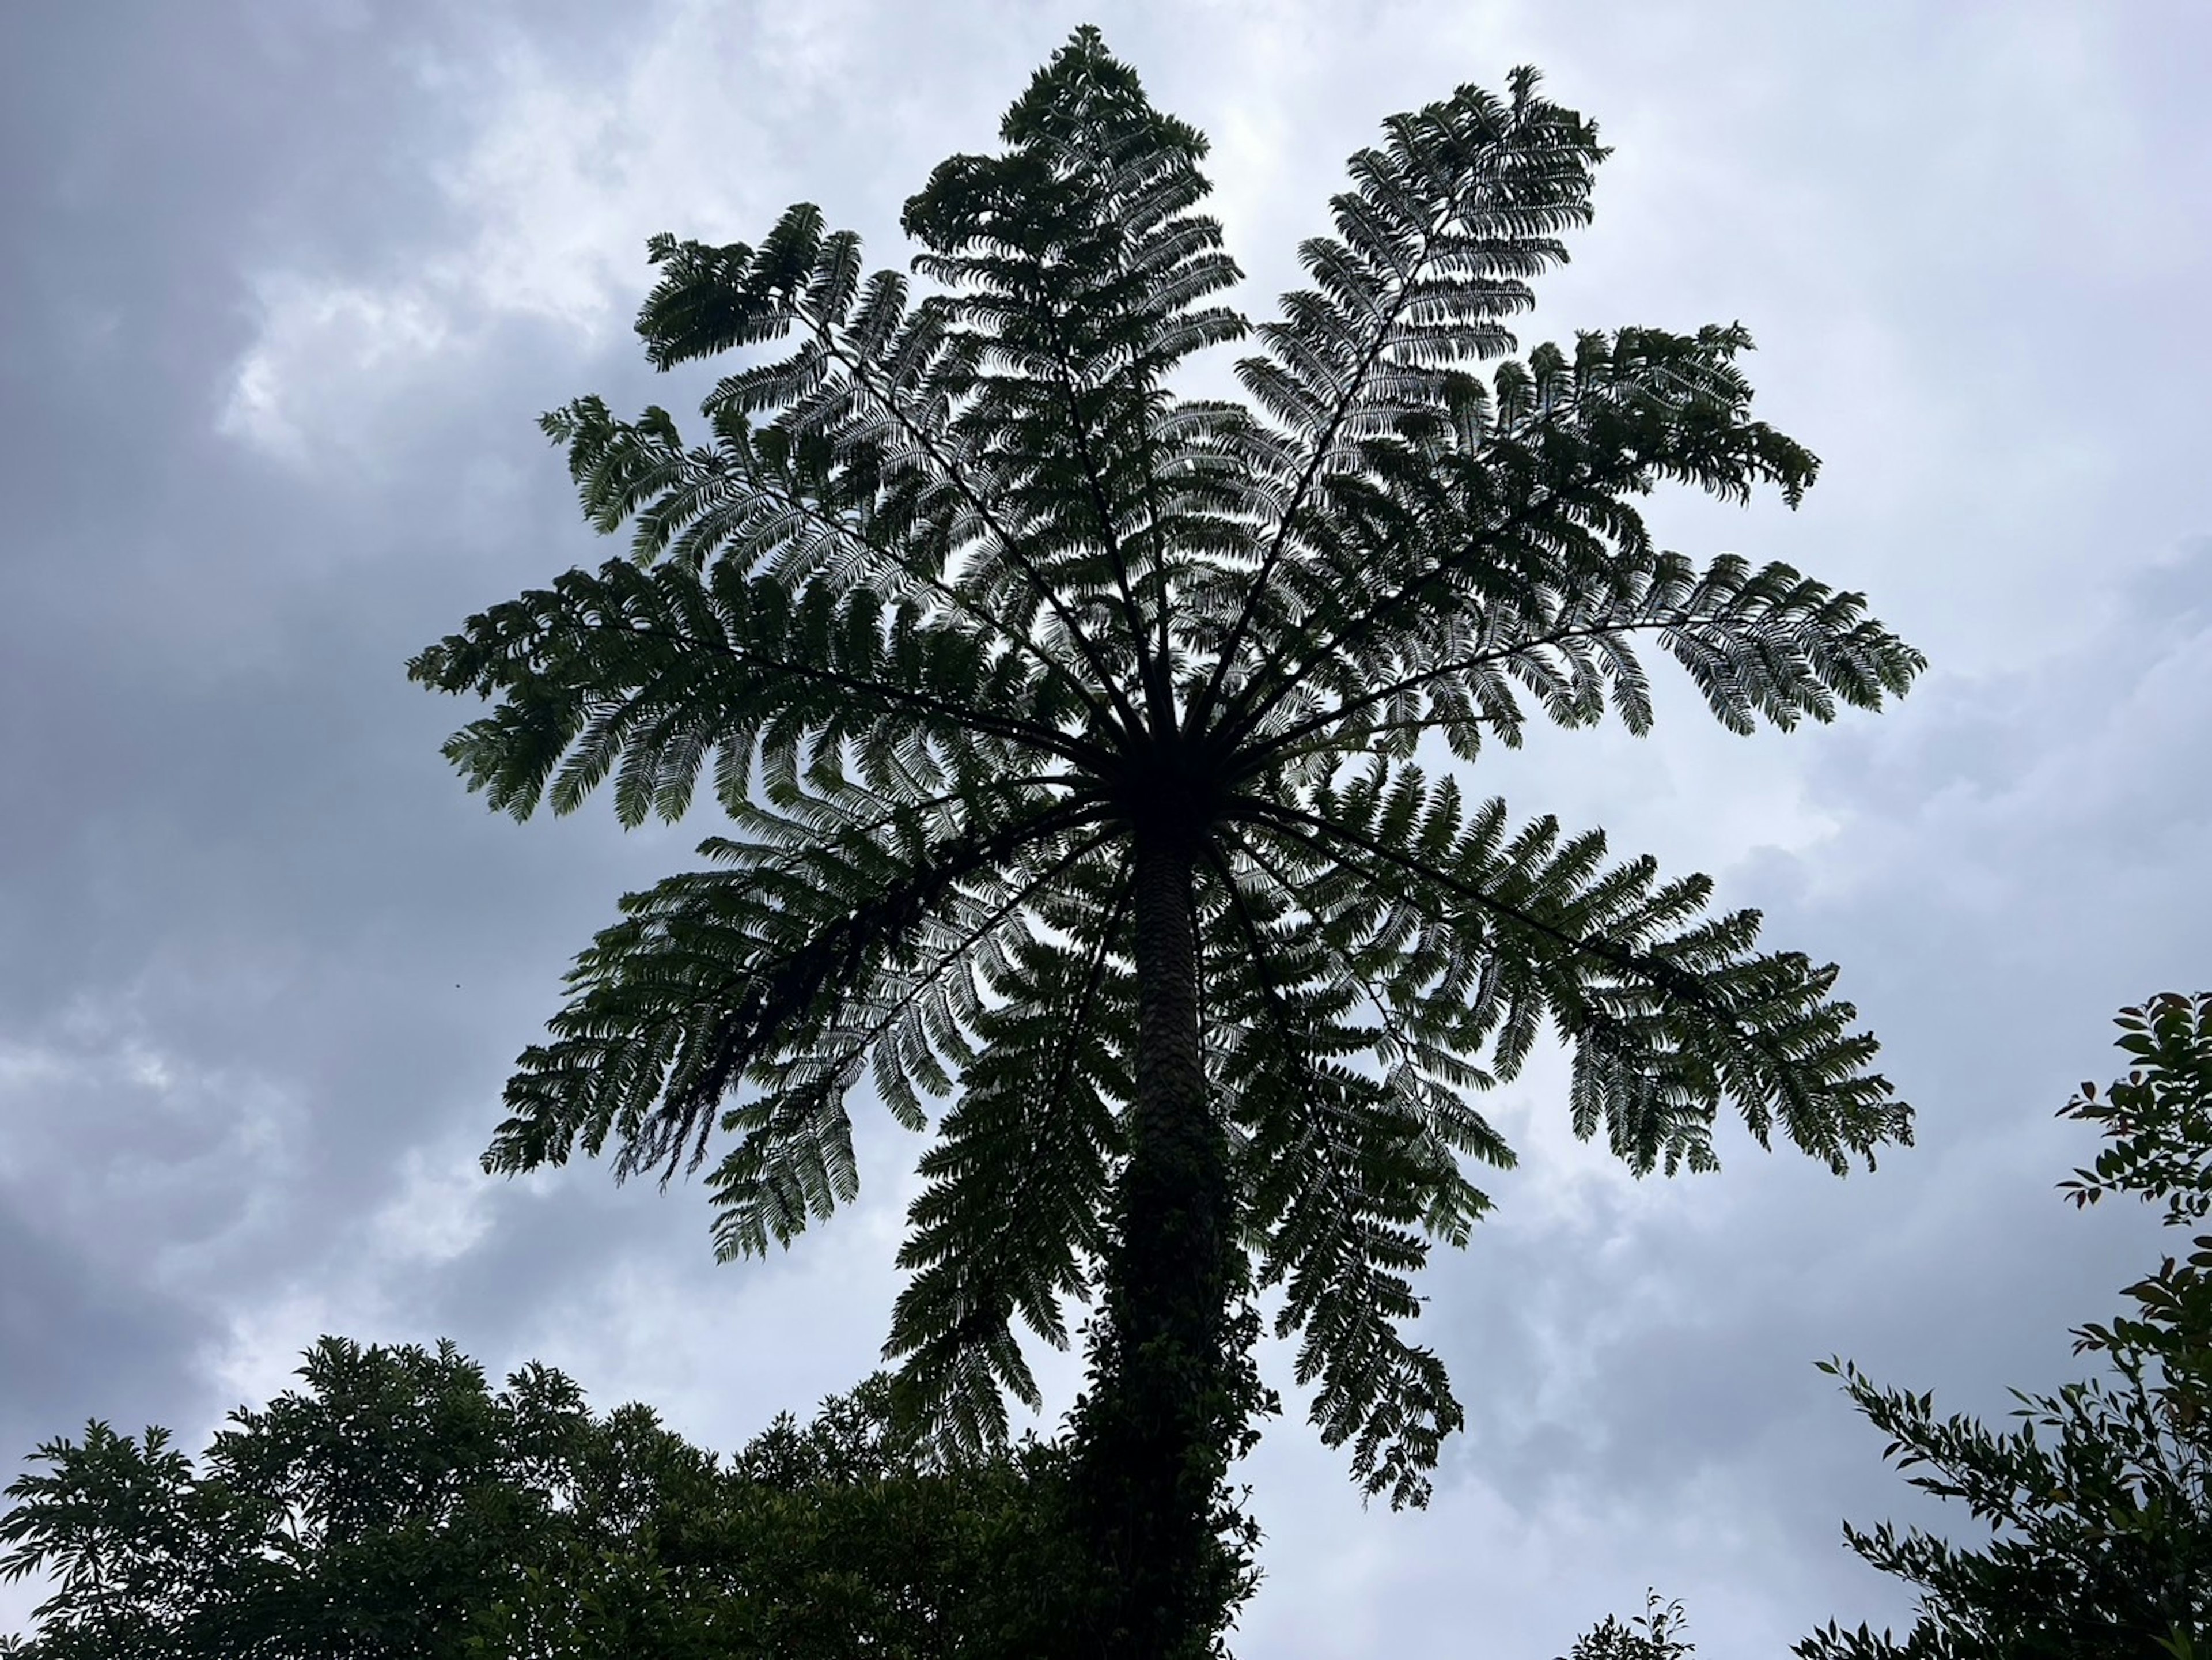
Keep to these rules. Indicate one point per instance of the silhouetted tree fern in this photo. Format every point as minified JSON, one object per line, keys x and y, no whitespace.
{"x":1068,"y":731}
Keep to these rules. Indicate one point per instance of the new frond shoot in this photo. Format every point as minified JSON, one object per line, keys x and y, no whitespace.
{"x":1070,"y":733}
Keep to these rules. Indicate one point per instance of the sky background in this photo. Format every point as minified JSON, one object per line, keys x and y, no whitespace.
{"x":283,"y":284}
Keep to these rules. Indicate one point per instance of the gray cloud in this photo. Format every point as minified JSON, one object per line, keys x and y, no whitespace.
{"x":285,"y":284}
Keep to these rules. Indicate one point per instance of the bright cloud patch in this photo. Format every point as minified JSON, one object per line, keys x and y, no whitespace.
{"x":324,"y":351}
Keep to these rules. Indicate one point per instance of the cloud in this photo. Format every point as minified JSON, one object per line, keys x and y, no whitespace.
{"x":297,"y":391}
{"x":569,"y":166}
{"x":289,"y":284}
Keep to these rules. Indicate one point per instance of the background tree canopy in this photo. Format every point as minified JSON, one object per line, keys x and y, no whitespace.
{"x":2098,"y":1501}
{"x":1658,"y":1633}
{"x":396,"y":1504}
{"x":1070,"y":734}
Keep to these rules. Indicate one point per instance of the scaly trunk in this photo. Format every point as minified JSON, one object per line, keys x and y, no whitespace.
{"x":1155,"y":1433}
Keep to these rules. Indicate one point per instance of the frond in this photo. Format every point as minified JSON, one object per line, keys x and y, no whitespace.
{"x":646,"y":675}
{"x":782,"y":973}
{"x":1668,"y":1013}
{"x":1760,"y":645}
{"x":1436,"y":244}
{"x":1013,"y":1212}
{"x":1504,"y":538}
{"x":1335,"y":1064}
{"x":1076,"y":254}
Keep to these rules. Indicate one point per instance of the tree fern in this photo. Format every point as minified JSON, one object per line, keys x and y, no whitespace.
{"x":1070,"y":735}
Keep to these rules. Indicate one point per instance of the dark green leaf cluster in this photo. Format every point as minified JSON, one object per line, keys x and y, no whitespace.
{"x":1654,"y":1634}
{"x":958,"y":602}
{"x":2098,"y":1501}
{"x":396,"y":1505}
{"x":2157,"y":1120}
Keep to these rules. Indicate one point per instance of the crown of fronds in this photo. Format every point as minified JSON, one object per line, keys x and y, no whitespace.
{"x":954,"y":593}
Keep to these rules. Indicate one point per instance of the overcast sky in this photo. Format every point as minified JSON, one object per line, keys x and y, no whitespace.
{"x":285,"y":283}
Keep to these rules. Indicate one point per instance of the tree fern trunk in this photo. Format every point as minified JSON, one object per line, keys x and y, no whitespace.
{"x":1162,"y":1414}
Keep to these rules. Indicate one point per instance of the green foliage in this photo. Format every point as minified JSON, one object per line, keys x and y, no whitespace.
{"x":397,"y":1505}
{"x":1654,"y":1634}
{"x":956,"y":601}
{"x":2099,"y":1503}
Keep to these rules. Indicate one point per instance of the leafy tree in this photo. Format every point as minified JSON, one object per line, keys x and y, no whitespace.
{"x":397,"y":1506}
{"x":2099,"y":1503}
{"x":1067,"y":728}
{"x":1654,"y":1634}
